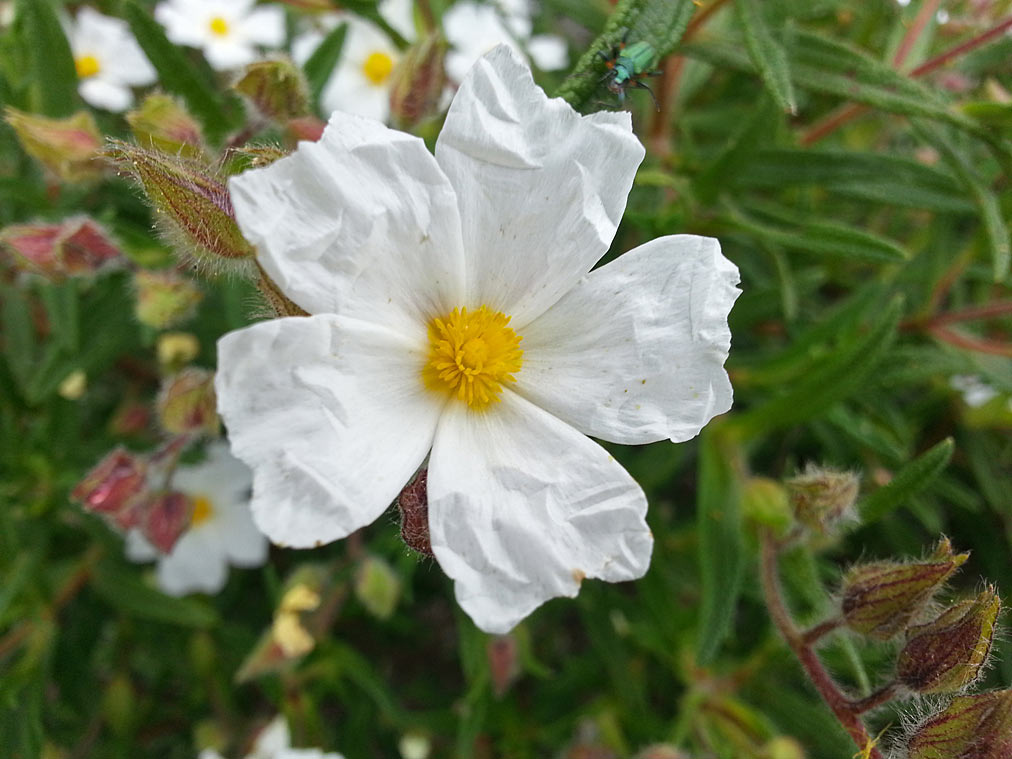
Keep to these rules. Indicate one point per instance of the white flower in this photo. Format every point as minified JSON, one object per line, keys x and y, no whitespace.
{"x":222,"y":531}
{"x":108,"y":59}
{"x":274,"y":742}
{"x":975,"y":391}
{"x":474,"y":28}
{"x":386,"y":245}
{"x":228,"y":31}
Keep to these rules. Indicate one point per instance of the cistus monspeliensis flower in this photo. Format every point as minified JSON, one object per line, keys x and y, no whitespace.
{"x":227,"y":31}
{"x":275,"y":742}
{"x":454,"y":318}
{"x":108,"y":60}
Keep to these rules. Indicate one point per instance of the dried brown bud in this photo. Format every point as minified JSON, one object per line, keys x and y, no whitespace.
{"x":164,"y":298}
{"x":67,"y":147}
{"x":971,"y":727}
{"x":946,"y":655}
{"x":821,"y":497}
{"x":418,"y":82}
{"x":276,"y":88}
{"x":413,"y":504}
{"x":162,"y":123}
{"x":164,"y":518}
{"x":114,"y":485}
{"x":187,"y":403}
{"x":881,"y":599}
{"x":73,"y":247}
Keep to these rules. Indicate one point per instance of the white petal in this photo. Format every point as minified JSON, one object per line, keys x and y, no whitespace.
{"x":333,"y":417}
{"x":272,"y":739}
{"x":349,"y":91}
{"x":197,"y":564}
{"x":138,"y":548}
{"x":102,"y":93}
{"x":635,"y":352}
{"x":361,"y":223}
{"x":180,"y":26}
{"x":522,"y":507}
{"x":473,"y":30}
{"x":264,"y":26}
{"x":244,"y":544}
{"x":226,"y":55}
{"x":548,"y":52}
{"x":400,"y":15}
{"x":541,"y":188}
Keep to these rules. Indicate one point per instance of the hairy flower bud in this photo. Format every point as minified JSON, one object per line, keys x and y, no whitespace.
{"x":187,"y":403}
{"x":880,"y":599}
{"x":377,"y":587}
{"x":67,"y":147}
{"x":949,"y":653}
{"x":418,"y":82}
{"x":165,"y":517}
{"x":164,"y":297}
{"x":308,"y":128}
{"x":277,"y":88}
{"x":193,"y":203}
{"x":114,"y":485}
{"x":765,"y":502}
{"x":970,"y":727}
{"x":821,"y":497}
{"x":162,"y":123}
{"x":413,"y":504}
{"x":71,"y":248}
{"x":176,"y":349}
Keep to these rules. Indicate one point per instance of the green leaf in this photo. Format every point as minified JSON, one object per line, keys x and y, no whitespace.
{"x":52,"y":74}
{"x":767,"y":54}
{"x":176,"y":73}
{"x":908,"y":482}
{"x":19,"y":343}
{"x":121,"y":589}
{"x":737,"y":156}
{"x":721,"y":544}
{"x":321,"y":63}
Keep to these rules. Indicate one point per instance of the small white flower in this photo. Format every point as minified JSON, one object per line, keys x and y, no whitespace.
{"x":975,"y":391}
{"x":275,"y":742}
{"x":474,"y":28}
{"x":454,"y":318}
{"x":222,"y":531}
{"x":108,"y":59}
{"x":228,"y":31}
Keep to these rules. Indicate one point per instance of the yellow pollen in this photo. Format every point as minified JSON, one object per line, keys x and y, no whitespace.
{"x":202,"y":510}
{"x":219,"y":26}
{"x":472,"y":354}
{"x":377,"y":67}
{"x":87,"y":65}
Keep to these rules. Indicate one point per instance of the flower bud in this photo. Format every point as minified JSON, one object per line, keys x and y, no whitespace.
{"x":949,"y":653}
{"x":783,"y":747}
{"x":73,"y":247}
{"x":250,"y":156}
{"x":418,"y":82}
{"x":193,"y":203}
{"x":970,"y":727}
{"x":176,"y":349}
{"x":163,"y":124}
{"x":67,"y":147}
{"x":415,"y":745}
{"x":308,"y":128}
{"x":276,"y":88}
{"x":377,"y":587}
{"x":187,"y":403}
{"x":503,"y":662}
{"x":880,"y":599}
{"x":821,"y":497}
{"x":279,"y":303}
{"x":164,"y":297}
{"x":114,"y":484}
{"x":413,"y":504}
{"x":165,"y":517}
{"x":74,"y":386}
{"x":765,"y":502}
{"x":130,"y":418}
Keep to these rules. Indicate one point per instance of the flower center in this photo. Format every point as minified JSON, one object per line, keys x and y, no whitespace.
{"x":202,"y":510}
{"x":377,"y":67}
{"x":471,"y":354}
{"x":219,"y":26}
{"x":87,"y":65}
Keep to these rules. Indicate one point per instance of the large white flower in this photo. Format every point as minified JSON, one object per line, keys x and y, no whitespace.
{"x":275,"y":742}
{"x":453,"y":316}
{"x":108,"y":59}
{"x":228,"y":31}
{"x":222,"y":531}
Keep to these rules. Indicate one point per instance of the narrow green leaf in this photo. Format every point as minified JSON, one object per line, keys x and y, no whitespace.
{"x":321,"y":63}
{"x":908,"y":482}
{"x":736,"y":157}
{"x":53,"y":76}
{"x":122,"y":590}
{"x":721,"y":544}
{"x":175,"y":73}
{"x":767,"y":54}
{"x":19,"y":343}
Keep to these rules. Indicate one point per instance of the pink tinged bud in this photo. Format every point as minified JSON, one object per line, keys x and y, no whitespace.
{"x":67,"y":147}
{"x":418,"y":82}
{"x":822,"y":497}
{"x":131,"y":418}
{"x":377,"y":587}
{"x":32,"y":247}
{"x":276,"y":88}
{"x":187,"y":403}
{"x":73,"y":247}
{"x":413,"y":504}
{"x":163,"y":124}
{"x":276,"y":300}
{"x":114,"y":484}
{"x":85,"y":247}
{"x":946,"y":655}
{"x":970,"y":727}
{"x":503,"y":662}
{"x":308,"y":128}
{"x":165,"y":518}
{"x":164,"y":297}
{"x":238,"y":160}
{"x":880,"y":599}
{"x":193,"y":203}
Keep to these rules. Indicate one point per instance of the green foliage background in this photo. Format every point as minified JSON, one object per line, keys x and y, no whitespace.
{"x":852,"y":248}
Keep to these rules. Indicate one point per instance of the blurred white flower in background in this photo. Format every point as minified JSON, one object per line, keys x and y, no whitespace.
{"x":222,"y":531}
{"x":108,"y":60}
{"x":228,"y":31}
{"x":274,"y":742}
{"x":975,"y":391}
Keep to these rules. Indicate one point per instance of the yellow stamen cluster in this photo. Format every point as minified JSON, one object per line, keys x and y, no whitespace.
{"x":87,"y":65}
{"x":377,"y":67}
{"x":471,"y":354}
{"x":219,"y":26}
{"x":202,"y":510}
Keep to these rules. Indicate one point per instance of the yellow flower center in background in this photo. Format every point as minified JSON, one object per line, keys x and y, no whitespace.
{"x":377,"y":67}
{"x":202,"y":510}
{"x":87,"y":65}
{"x":219,"y":26}
{"x":472,"y":354}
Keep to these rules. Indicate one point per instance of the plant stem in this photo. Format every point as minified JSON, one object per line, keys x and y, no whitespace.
{"x":839,"y":704}
{"x":879,"y":697}
{"x":820,"y":630}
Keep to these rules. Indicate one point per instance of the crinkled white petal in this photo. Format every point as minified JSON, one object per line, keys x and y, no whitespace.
{"x":331,"y":414}
{"x":541,"y":188}
{"x":197,"y":564}
{"x":104,"y":94}
{"x":548,"y":52}
{"x":522,"y":507}
{"x":635,"y":352}
{"x":265,"y":26}
{"x":362,"y":223}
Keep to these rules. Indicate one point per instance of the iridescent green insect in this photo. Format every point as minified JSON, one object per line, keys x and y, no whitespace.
{"x":629,"y":66}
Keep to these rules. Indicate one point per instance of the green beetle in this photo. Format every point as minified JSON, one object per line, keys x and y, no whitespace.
{"x":629,"y":66}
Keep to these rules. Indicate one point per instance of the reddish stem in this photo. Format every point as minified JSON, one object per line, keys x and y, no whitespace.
{"x":879,"y":697}
{"x":967,"y":342}
{"x":924,"y":16}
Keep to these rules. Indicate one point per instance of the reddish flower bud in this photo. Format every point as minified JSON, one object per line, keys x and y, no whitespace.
{"x":418,"y":82}
{"x":67,"y":147}
{"x":164,"y":297}
{"x":413,"y":504}
{"x":970,"y":727}
{"x":187,"y":403}
{"x":73,"y":247}
{"x":165,"y":517}
{"x":948,"y":654}
{"x":880,"y":599}
{"x":276,"y":88}
{"x":503,"y":662}
{"x":114,"y":484}
{"x":821,"y":497}
{"x":308,"y":128}
{"x":163,"y":124}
